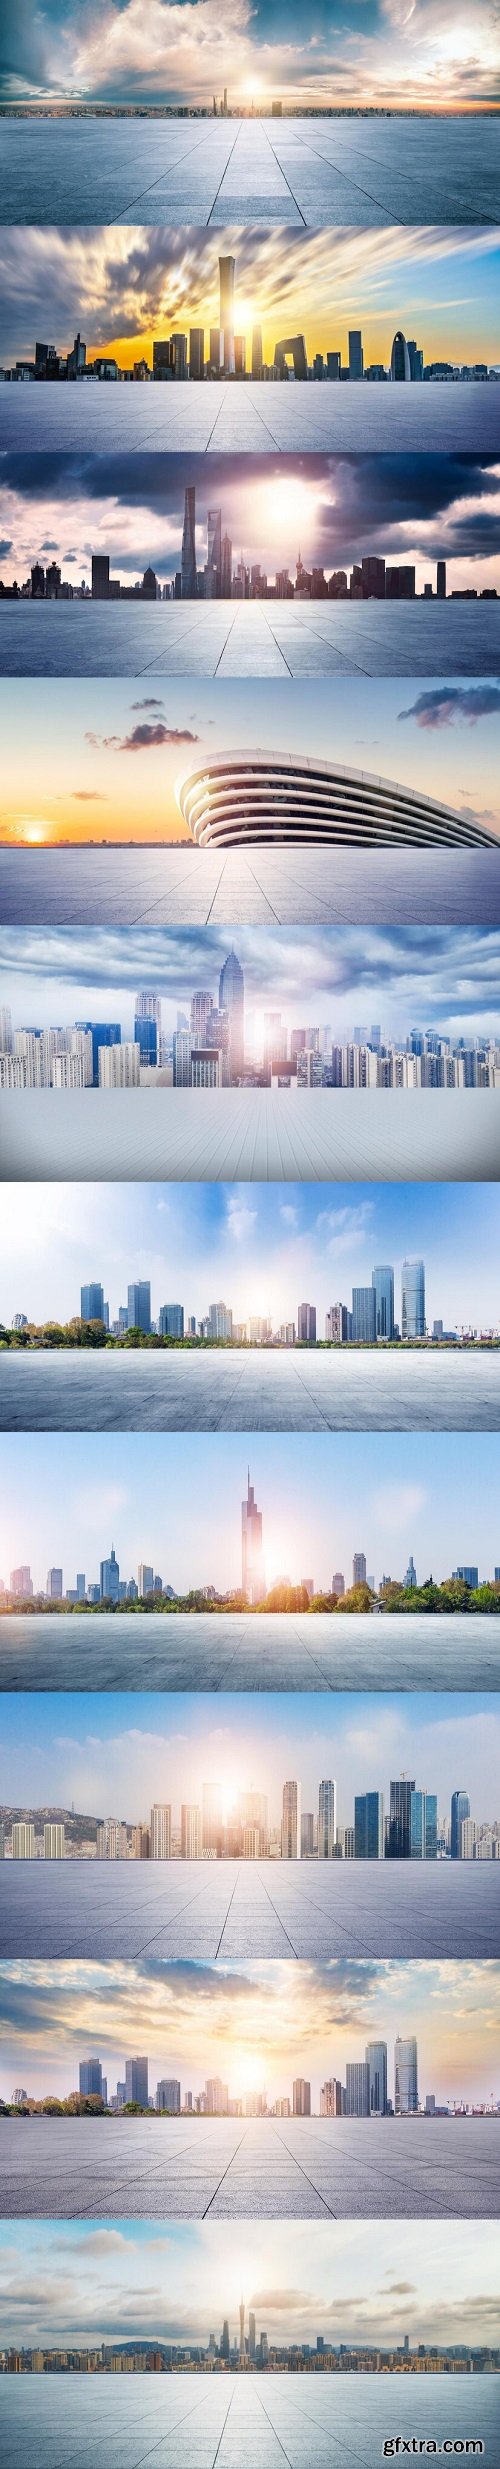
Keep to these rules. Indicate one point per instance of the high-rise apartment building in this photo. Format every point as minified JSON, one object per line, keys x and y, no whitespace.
{"x":161,"y":1831}
{"x":290,"y":1822}
{"x":306,"y":1324}
{"x":327,"y":1821}
{"x":23,"y":1839}
{"x":332,"y":2099}
{"x":53,"y":1840}
{"x":301,"y":2098}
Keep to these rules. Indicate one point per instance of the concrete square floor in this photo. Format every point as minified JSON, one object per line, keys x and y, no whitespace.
{"x":220,"y":1650}
{"x":253,"y":638}
{"x":365,"y":169}
{"x":188,"y":886}
{"x":267,"y":2169}
{"x":254,"y":1390}
{"x":185,"y":1909}
{"x":325,"y":2421}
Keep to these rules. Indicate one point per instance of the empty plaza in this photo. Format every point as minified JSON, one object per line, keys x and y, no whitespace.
{"x":229,"y":418}
{"x":239,"y":2169}
{"x":184,"y":885}
{"x":250,"y":1389}
{"x":226,"y":2421}
{"x":189,"y":1910}
{"x":250,"y":1135}
{"x":254,"y":638}
{"x":365,"y":168}
{"x":267,"y":1651}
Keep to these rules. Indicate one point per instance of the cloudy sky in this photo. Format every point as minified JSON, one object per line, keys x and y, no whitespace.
{"x":119,"y":1754}
{"x":96,"y":759}
{"x":257,"y":2025}
{"x":67,"y":2281}
{"x":437,"y":52}
{"x":340,"y":977}
{"x":260,"y":1248}
{"x":323,"y":1496}
{"x":410,"y":509}
{"x":122,"y":287}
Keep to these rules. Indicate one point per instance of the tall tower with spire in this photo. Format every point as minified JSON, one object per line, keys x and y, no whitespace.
{"x":252,"y":1557}
{"x":242,"y":2327}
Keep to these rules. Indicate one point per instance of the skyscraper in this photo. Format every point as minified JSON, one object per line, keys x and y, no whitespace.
{"x":413,"y":1299}
{"x":359,"y":1569}
{"x":460,"y":1809}
{"x":423,"y":1826}
{"x":306,"y":1324}
{"x":136,"y":2080}
{"x":90,"y":2078}
{"x":232,"y":1002}
{"x":399,"y":1843}
{"x":355,"y":353}
{"x":383,"y":1286}
{"x":405,"y":2078}
{"x":226,"y":313}
{"x":364,"y":1315}
{"x":110,"y":1578}
{"x":139,"y":1305}
{"x":92,"y":1303}
{"x":242,"y":2327}
{"x":54,"y":1587}
{"x":214,"y":548}
{"x":147,"y":1027}
{"x":301,"y":2098}
{"x":171,"y":1320}
{"x":357,"y":2089}
{"x":441,"y":579}
{"x":290,"y":1822}
{"x":161,"y":1831}
{"x":400,"y":358}
{"x":327,"y":1821}
{"x":376,"y":2060}
{"x":369,"y":1826}
{"x":190,"y":1831}
{"x":252,"y":1561}
{"x":189,"y":580}
{"x":256,"y":351}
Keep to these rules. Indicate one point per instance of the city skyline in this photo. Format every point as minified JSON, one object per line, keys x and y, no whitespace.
{"x":258,"y":1250}
{"x":122,"y":296}
{"x":440,"y":978}
{"x":445,"y":61}
{"x":67,"y":773}
{"x":132,"y":1753}
{"x":334,"y":509}
{"x":80,"y":2280}
{"x":324,"y":1497}
{"x":254,"y":2027}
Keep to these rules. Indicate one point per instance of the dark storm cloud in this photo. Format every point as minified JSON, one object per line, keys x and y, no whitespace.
{"x":439,"y":706}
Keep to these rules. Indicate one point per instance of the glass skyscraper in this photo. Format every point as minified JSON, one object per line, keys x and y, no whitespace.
{"x":413,"y":1299}
{"x":383,"y":1287}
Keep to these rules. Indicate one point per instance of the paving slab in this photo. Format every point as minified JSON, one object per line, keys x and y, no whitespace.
{"x":103,"y":1909}
{"x":250,"y":1135}
{"x":239,"y":1389}
{"x":248,"y":418}
{"x":250,"y":2421}
{"x":189,"y":886}
{"x":359,"y":170}
{"x":267,"y":1651}
{"x":220,"y":2169}
{"x":331,"y":638}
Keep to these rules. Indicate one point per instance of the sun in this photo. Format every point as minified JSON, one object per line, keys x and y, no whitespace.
{"x":34,"y":834}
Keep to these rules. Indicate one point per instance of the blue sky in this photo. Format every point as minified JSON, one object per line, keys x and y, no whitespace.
{"x":341,"y":977}
{"x":63,"y":2281}
{"x":116,"y":1755}
{"x":323,"y":1496}
{"x":262,"y":1248}
{"x":257,"y":2025}
{"x":337,"y":51}
{"x":73,"y":766}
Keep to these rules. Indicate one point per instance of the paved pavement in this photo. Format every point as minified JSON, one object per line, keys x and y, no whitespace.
{"x":189,"y":1910}
{"x":249,"y":1390}
{"x":251,"y":419}
{"x":189,"y":886}
{"x":328,"y":2421}
{"x":365,"y":170}
{"x":250,"y":1135}
{"x":217,"y":1650}
{"x":254,"y":638}
{"x":229,"y":2169}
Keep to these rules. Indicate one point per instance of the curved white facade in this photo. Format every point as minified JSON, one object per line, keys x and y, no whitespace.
{"x":242,"y":800}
